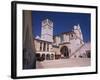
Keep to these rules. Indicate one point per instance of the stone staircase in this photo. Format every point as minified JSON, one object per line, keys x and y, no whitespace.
{"x":76,"y":51}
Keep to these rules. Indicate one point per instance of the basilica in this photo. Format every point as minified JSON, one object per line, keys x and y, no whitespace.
{"x":61,"y":46}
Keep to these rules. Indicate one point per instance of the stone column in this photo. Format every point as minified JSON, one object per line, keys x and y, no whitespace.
{"x":29,"y":58}
{"x":27,"y":30}
{"x":42,"y":46}
{"x":46,"y":46}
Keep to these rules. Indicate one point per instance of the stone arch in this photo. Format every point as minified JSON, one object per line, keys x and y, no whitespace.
{"x":48,"y":57}
{"x":64,"y":51}
{"x":52,"y":56}
{"x":43,"y":56}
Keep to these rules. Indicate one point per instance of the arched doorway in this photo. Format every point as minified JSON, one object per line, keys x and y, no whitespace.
{"x":52,"y":56}
{"x":48,"y":57}
{"x":64,"y":52}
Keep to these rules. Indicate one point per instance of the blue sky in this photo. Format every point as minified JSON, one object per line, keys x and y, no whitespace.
{"x":63,"y":22}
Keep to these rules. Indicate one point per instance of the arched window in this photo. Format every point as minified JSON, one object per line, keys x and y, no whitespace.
{"x":40,"y":46}
{"x":72,"y":36}
{"x":44,"y":46}
{"x":47,"y":47}
{"x":43,"y":56}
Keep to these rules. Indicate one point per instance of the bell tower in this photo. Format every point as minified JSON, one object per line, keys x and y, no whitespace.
{"x":47,"y":30}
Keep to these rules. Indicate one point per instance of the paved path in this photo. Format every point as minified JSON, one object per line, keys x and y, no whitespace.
{"x":75,"y":62}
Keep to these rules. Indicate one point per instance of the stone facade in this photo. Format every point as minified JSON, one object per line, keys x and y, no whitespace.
{"x":64,"y":45}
